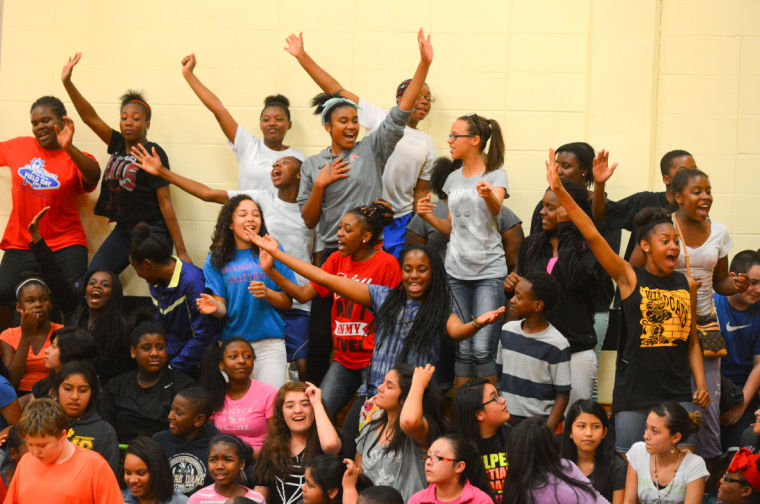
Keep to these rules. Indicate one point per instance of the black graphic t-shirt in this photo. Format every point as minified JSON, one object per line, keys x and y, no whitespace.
{"x":188,"y":460}
{"x":127,"y":193}
{"x":493,"y":452}
{"x":653,"y":362}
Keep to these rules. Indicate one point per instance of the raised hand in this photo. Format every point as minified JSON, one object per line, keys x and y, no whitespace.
{"x":424,"y":205}
{"x":34,"y":225}
{"x":491,"y":316}
{"x":331,"y":172}
{"x":423,"y":375}
{"x":206,"y":304}
{"x":151,"y":163}
{"x":265,"y":243}
{"x":740,"y":281}
{"x":511,"y":282}
{"x":258,"y":289}
{"x":351,"y":475}
{"x":484,"y":189}
{"x":426,"y":48}
{"x":266,"y":261}
{"x":66,"y":134}
{"x":69,"y":66}
{"x":188,"y":64}
{"x":294,"y":44}
{"x":552,"y":172}
{"x":601,"y":169}
{"x":314,"y":393}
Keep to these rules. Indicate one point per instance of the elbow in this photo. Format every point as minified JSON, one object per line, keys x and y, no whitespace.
{"x":331,"y":447}
{"x":409,"y":425}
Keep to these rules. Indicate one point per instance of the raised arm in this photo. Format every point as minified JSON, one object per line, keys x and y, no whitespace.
{"x":613,"y":264}
{"x":459,"y":330}
{"x":412,"y":419}
{"x":170,"y":217}
{"x":415,"y":87}
{"x":151,"y":163}
{"x":602,"y":172}
{"x":355,"y":291}
{"x":87,"y":166}
{"x":425,"y":210}
{"x":329,"y":440}
{"x":85,"y":110}
{"x":328,"y":83}
{"x":223,"y":117}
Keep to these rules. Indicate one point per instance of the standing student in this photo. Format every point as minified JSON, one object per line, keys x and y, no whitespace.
{"x":661,"y":351}
{"x":475,"y":261}
{"x":480,"y":416}
{"x":147,"y":475}
{"x":255,"y":155}
{"x":407,"y":172}
{"x":242,"y":406}
{"x":127,"y":196}
{"x":283,"y":220}
{"x":560,"y":250}
{"x":55,"y":471}
{"x":46,"y":170}
{"x":585,"y":441}
{"x":241,"y":293}
{"x":174,"y":286}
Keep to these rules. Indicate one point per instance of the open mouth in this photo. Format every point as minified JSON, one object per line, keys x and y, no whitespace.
{"x":250,"y":228}
{"x":414,"y":287}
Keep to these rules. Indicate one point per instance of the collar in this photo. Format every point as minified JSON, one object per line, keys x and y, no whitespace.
{"x":174,"y":282}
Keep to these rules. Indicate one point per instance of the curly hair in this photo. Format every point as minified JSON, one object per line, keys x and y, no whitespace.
{"x":223,"y":247}
{"x":56,"y":106}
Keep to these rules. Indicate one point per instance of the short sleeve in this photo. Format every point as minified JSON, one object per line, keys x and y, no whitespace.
{"x":214,"y":280}
{"x":507,"y":219}
{"x":269,"y":403}
{"x":417,"y":226}
{"x":725,"y":243}
{"x":619,"y":470}
{"x":4,"y":147}
{"x":427,"y":169}
{"x":370,"y":116}
{"x":498,"y":178}
{"x":450,"y":181}
{"x":363,"y":439}
{"x":7,"y":394}
{"x":695,"y":469}
{"x":377,"y":296}
{"x":155,"y":182}
{"x":329,"y":266}
{"x":560,"y":372}
{"x":117,"y":143}
{"x":244,"y":140}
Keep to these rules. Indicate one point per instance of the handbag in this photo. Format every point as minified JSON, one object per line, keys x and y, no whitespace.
{"x":708,"y":329}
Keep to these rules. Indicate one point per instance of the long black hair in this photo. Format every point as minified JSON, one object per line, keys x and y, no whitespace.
{"x":327,"y":472}
{"x":428,"y":329}
{"x":211,"y":377}
{"x":223,"y":247}
{"x":153,"y":456}
{"x":534,"y":457}
{"x":81,"y":368}
{"x":603,"y":477}
{"x":468,"y":400}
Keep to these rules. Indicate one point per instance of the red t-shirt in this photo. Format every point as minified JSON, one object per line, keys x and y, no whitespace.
{"x":42,"y":177}
{"x":352,"y":346}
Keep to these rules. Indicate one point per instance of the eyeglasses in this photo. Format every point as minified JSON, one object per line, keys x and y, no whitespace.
{"x":730,"y":480}
{"x":453,"y":137}
{"x":428,"y":99}
{"x":493,"y":399}
{"x":435,"y":458}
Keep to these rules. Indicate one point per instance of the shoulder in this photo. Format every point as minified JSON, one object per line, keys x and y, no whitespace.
{"x":384,"y":257}
{"x":636,"y":453}
{"x":180,"y":380}
{"x":11,"y":336}
{"x":553,"y":335}
{"x":261,"y":389}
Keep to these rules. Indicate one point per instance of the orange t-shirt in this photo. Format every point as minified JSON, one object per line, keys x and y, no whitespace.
{"x":35,"y":363}
{"x":85,"y":478}
{"x":39,"y":178}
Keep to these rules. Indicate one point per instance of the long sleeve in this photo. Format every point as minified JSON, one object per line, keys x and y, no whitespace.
{"x":204,"y":331}
{"x":388,"y":134}
{"x":577,"y":265}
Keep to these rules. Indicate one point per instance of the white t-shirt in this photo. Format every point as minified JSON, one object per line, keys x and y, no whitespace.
{"x":285,"y":224}
{"x":702,"y":261}
{"x":412,"y":159}
{"x":691,"y":469}
{"x":255,"y":160}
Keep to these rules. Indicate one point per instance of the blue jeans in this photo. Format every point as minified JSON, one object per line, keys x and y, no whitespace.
{"x":476,"y":356}
{"x":113,"y":254}
{"x":339,"y":385}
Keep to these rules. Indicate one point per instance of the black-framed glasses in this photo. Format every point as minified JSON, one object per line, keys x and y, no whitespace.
{"x":731,"y":480}
{"x":493,"y":399}
{"x":436,"y":458}
{"x":453,"y":137}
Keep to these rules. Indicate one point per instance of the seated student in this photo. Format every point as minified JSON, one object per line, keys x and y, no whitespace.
{"x":67,"y":345}
{"x":22,"y":347}
{"x":480,"y":416}
{"x":454,"y":473}
{"x":535,"y":377}
{"x":538,"y":475}
{"x":174,"y":286}
{"x":10,"y":406}
{"x":323,"y":480}
{"x":660,"y":471}
{"x":299,"y":431}
{"x":55,"y":471}
{"x":242,"y":406}
{"x":739,"y":318}
{"x":186,"y":441}
{"x":379,"y":494}
{"x":76,"y":389}
{"x":147,"y":475}
{"x":741,"y":482}
{"x":227,"y":456}
{"x":17,"y":448}
{"x":137,"y":403}
{"x":585,"y":442}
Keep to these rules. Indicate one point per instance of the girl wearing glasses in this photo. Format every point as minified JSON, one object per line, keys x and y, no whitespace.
{"x":475,"y":261}
{"x":454,"y":473}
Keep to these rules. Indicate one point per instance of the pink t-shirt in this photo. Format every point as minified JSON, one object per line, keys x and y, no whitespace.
{"x":208,"y":495}
{"x":247,"y":416}
{"x":470,"y":495}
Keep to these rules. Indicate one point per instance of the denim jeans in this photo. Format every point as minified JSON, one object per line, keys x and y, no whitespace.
{"x":113,"y":254}
{"x":629,"y":427}
{"x":708,"y":435}
{"x":339,"y":385}
{"x":476,"y":356}
{"x":72,"y":261}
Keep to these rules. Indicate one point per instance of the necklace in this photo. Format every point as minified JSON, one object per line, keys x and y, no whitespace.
{"x":670,"y":485}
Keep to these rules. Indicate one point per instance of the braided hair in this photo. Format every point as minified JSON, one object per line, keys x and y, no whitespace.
{"x":374,"y":217}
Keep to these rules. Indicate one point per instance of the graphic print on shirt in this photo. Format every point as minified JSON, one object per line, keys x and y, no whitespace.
{"x":665,"y":314}
{"x":472,"y":238}
{"x":85,"y":442}
{"x":35,"y":175}
{"x":188,"y":472}
{"x":350,"y":331}
{"x":120,"y":173}
{"x":496,"y":466}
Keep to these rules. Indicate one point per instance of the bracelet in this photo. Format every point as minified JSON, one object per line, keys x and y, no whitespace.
{"x":475,"y":324}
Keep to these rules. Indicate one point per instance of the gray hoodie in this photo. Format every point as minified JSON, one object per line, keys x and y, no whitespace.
{"x":364,"y":182}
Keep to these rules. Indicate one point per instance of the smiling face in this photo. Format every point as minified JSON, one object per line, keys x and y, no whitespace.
{"x":696,"y":198}
{"x":53,"y":355}
{"x":343,"y":127}
{"x":74,"y":395}
{"x":43,"y":120}
{"x":286,"y":172}
{"x":150,"y":353}
{"x":752,"y":294}
{"x":549,"y":212}
{"x":35,"y":299}
{"x":133,"y":123}
{"x":237,"y":361}
{"x":245,"y":218}
{"x":46,"y":448}
{"x":137,"y":476}
{"x":274,"y":124}
{"x":97,"y":293}
{"x":352,"y":234}
{"x":588,"y":432}
{"x":389,"y":392}
{"x":494,"y":412}
{"x":662,"y":248}
{"x":224,"y":464}
{"x":416,"y":274}
{"x":524,"y":302}
{"x":297,"y":412}
{"x":657,"y":436}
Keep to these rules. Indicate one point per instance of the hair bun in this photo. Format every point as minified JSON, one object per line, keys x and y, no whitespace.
{"x":276,"y":99}
{"x":696,"y":420}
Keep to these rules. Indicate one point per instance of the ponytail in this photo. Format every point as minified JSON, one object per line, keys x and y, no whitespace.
{"x":487,"y":129}
{"x":211,"y":377}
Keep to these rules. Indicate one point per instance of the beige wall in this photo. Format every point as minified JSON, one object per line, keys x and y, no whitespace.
{"x":638,"y":78}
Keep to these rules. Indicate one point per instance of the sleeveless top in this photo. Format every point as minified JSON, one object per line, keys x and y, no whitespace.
{"x":653,"y":362}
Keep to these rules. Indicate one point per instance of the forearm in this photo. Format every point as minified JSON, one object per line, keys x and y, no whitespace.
{"x":87,"y":166}
{"x":493,"y":203}
{"x":411,"y":417}
{"x":329,"y":440}
{"x":415,"y":87}
{"x":753,"y":384}
{"x":324,"y":80}
{"x":441,"y":225}
{"x":193,"y":187}
{"x":301,"y":293}
{"x":695,"y":362}
{"x":214,"y":104}
{"x":85,"y":110}
{"x":459,"y":330}
{"x":278,"y":299}
{"x":17,"y":366}
{"x":421,"y":188}
{"x":558,"y":409}
{"x":167,"y":211}
{"x":599,"y":202}
{"x":312,"y":209}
